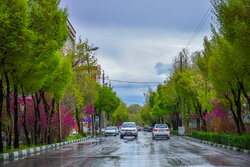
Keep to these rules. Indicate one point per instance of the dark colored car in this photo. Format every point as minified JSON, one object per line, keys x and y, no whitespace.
{"x":145,"y":129}
{"x":150,"y":129}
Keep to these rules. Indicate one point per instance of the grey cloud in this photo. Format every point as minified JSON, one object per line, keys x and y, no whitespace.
{"x":162,"y":68}
{"x":167,"y":14}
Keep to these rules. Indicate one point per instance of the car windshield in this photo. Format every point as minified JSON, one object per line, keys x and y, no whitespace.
{"x":110,"y":128}
{"x":161,"y":126}
{"x":128,"y":125}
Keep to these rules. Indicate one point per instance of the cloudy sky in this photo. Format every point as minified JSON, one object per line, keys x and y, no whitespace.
{"x":138,"y":39}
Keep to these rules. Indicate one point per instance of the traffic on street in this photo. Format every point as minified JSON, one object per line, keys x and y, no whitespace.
{"x":130,"y":151}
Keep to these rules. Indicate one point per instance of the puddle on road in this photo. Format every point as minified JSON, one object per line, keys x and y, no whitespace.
{"x":108,"y":150}
{"x":90,"y":143}
{"x":129,"y":139}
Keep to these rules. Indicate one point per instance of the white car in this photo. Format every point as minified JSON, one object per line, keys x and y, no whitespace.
{"x":128,"y":129}
{"x":161,"y":130}
{"x":110,"y":130}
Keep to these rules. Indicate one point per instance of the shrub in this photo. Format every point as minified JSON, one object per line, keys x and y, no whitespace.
{"x":78,"y":136}
{"x":242,"y":142}
{"x":173,"y":132}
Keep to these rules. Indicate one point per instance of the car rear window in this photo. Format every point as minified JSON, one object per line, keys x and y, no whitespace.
{"x":128,"y":125}
{"x":110,"y":128}
{"x":161,"y":126}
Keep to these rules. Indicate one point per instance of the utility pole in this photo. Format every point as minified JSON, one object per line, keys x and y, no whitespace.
{"x":182,"y":99}
{"x":103,"y":78}
{"x":101,"y":117}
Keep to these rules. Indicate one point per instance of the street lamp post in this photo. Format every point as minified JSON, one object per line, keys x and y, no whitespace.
{"x":92,"y":116}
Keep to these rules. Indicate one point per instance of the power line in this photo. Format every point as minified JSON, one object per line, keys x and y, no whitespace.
{"x":135,"y":82}
{"x":200,"y":26}
{"x":133,"y":101}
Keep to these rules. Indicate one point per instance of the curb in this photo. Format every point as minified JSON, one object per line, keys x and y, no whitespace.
{"x":30,"y":151}
{"x":218,"y":145}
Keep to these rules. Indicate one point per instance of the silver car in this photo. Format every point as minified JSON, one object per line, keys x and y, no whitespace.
{"x":111,"y":130}
{"x":161,"y":130}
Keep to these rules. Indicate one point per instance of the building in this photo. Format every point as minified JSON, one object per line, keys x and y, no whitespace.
{"x":70,"y":43}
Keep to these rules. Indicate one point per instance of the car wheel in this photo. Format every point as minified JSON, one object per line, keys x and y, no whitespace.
{"x":153,"y":137}
{"x":105,"y":135}
{"x":135,"y":136}
{"x":115,"y":134}
{"x":121,"y":136}
{"x":168,"y":137}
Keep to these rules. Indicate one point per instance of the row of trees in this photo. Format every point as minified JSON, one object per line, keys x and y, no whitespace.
{"x":127,"y":113}
{"x":32,"y":34}
{"x":45,"y":90}
{"x":214,"y":82}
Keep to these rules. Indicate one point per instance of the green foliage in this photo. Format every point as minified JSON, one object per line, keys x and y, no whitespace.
{"x":241,"y":142}
{"x":15,"y":38}
{"x":78,"y":136}
{"x":174,"y":132}
{"x":147,"y":116}
{"x":58,"y":81}
{"x":134,"y":114}
{"x":120,"y":114}
{"x":134,"y":109}
{"x":106,"y":100}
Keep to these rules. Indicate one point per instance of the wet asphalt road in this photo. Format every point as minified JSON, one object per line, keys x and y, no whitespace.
{"x":130,"y":152}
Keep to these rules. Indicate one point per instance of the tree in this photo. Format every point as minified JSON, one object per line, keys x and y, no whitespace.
{"x":134,"y":113}
{"x":120,"y":115}
{"x":15,"y":46}
{"x":107,"y":101}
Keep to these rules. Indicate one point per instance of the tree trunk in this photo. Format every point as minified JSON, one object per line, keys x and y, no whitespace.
{"x":189,"y":110}
{"x":59,"y":122}
{"x":236,"y":121}
{"x":49,"y":136}
{"x":241,"y":84}
{"x":183,"y":113}
{"x":38,"y":99}
{"x":27,"y":136}
{"x":203,"y":121}
{"x":93,"y":124}
{"x":100,"y":121}
{"x":10,"y":121}
{"x":16,"y":136}
{"x":35,"y":127}
{"x":198,"y":122}
{"x":46,"y":109}
{"x":77,"y":120}
{"x":238,"y":106}
{"x":238,"y":109}
{"x":1,"y":109}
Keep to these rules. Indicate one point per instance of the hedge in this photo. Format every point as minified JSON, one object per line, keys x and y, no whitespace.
{"x":173,"y":132}
{"x":242,"y":142}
